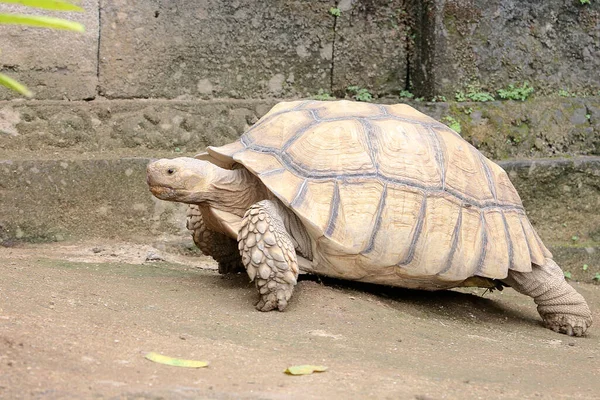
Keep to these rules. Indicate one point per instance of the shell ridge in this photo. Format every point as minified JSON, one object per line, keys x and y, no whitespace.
{"x":484,"y":242}
{"x":454,"y":245}
{"x":297,"y":135}
{"x":302,"y":105}
{"x":303,"y":171}
{"x":439,"y":151}
{"x":245,"y":138}
{"x":299,"y":198}
{"x":263,"y":120}
{"x":377,"y":225}
{"x":511,"y":251}
{"x":369,"y":136}
{"x":487,"y":172}
{"x":528,"y":238}
{"x":525,"y":234}
{"x":333,"y":213}
{"x":275,"y":171}
{"x":416,"y":234}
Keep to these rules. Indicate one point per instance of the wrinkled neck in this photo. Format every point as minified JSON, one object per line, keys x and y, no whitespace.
{"x":235,"y":190}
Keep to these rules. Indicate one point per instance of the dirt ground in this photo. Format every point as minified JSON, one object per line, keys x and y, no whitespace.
{"x":76,"y":320}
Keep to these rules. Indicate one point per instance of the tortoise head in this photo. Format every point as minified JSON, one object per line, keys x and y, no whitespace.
{"x":183,"y":179}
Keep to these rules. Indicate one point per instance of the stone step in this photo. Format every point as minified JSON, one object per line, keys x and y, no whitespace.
{"x":148,"y":128}
{"x":55,"y":200}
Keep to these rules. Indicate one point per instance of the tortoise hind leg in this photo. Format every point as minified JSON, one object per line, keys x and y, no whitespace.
{"x":214,"y":244}
{"x":560,"y":306}
{"x":269,"y":256}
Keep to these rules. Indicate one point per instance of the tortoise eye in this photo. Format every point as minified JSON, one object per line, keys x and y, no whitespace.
{"x":170,"y":171}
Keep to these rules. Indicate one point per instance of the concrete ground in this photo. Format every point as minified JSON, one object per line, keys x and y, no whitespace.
{"x":77,"y":318}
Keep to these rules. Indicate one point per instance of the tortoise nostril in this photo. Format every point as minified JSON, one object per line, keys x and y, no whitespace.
{"x":171,"y":171}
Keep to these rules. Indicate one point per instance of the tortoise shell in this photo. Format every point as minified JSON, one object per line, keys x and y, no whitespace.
{"x":388,"y":194}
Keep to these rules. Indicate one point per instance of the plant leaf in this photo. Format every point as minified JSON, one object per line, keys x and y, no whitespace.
{"x":41,"y":21}
{"x":305,"y":369}
{"x":175,"y":362}
{"x":14,"y":85}
{"x":57,"y":5}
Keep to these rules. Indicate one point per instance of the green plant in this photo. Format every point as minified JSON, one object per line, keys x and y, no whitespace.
{"x":568,"y":275}
{"x":588,"y":116}
{"x":360,"y":94}
{"x":516,"y":93}
{"x":565,"y":93}
{"x":468,"y":110}
{"x":405,"y":94}
{"x":473,"y":94}
{"x":323,"y":95}
{"x":38,"y":21}
{"x":438,"y":98}
{"x":574,"y":238}
{"x":585,"y":267}
{"x":460,"y":96}
{"x":597,"y":277}
{"x":480,"y":96}
{"x":452,"y":123}
{"x":584,"y":1}
{"x":336,"y":12}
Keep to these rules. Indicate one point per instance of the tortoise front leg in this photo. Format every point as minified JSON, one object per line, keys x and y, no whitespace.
{"x":560,"y":306}
{"x":214,"y":244}
{"x":268,"y":254}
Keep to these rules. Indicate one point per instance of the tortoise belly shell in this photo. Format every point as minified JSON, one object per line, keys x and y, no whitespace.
{"x":388,"y":194}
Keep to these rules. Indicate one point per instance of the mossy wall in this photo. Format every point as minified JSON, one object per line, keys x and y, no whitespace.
{"x":245,"y":49}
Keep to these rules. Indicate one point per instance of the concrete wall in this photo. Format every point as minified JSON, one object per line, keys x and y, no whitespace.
{"x":552,"y":44}
{"x":54,"y":64}
{"x":292,"y":48}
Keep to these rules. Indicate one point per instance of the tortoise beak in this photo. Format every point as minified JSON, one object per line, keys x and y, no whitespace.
{"x":162,"y":192}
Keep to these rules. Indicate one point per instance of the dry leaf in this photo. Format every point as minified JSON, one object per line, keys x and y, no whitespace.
{"x":304,"y":369}
{"x":175,"y":362}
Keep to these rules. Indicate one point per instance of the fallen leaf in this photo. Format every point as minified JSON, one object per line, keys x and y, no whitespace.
{"x":304,"y":369}
{"x":175,"y":362}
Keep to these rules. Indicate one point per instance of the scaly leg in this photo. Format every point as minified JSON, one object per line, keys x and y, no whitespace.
{"x":268,"y":254}
{"x":560,"y":306}
{"x":217,"y":245}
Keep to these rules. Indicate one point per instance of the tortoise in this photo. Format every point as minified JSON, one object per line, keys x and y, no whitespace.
{"x":366,"y":192}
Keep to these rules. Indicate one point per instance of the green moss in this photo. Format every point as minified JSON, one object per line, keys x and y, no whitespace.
{"x":452,"y":123}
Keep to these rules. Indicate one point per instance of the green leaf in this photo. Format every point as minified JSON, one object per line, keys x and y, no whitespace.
{"x":175,"y":362}
{"x":304,"y":369}
{"x":14,"y":85}
{"x":568,"y":275}
{"x":57,"y":5}
{"x":40,"y":21}
{"x":585,"y":267}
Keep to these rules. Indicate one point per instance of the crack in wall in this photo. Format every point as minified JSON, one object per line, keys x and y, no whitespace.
{"x":332,"y":69}
{"x":408,"y":48}
{"x":98,"y":90}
